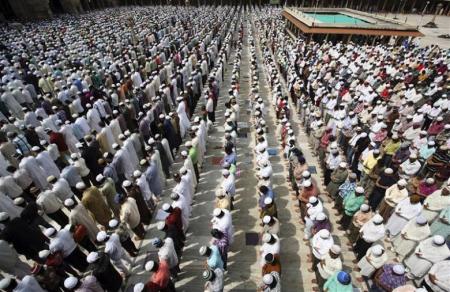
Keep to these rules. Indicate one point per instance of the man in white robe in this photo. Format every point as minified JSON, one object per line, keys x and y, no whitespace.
{"x":183,"y":187}
{"x":321,"y":243}
{"x":331,"y":262}
{"x":115,"y":251}
{"x":189,"y":166}
{"x":142,"y":183}
{"x":69,"y":137}
{"x":228,"y":183}
{"x":416,"y":230}
{"x":406,"y":210}
{"x":46,"y":162}
{"x":436,"y":202}
{"x":374,"y":259}
{"x":129,"y":147}
{"x":168,"y":253}
{"x":222,"y":221}
{"x":430,"y":251}
{"x":38,"y":176}
{"x":181,"y":202}
{"x":122,"y":162}
{"x":271,"y":244}
{"x":438,"y":277}
{"x":185,"y":124}
{"x":188,"y":176}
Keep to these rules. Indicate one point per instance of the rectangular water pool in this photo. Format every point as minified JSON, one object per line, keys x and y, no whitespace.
{"x":337,"y":18}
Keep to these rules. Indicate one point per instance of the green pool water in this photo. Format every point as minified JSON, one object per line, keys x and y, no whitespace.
{"x":335,"y":18}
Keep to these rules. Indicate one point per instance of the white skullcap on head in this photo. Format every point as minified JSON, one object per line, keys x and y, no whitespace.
{"x":99,"y":177}
{"x":321,"y":216}
{"x":343,"y":164}
{"x":402,"y":182}
{"x":3,"y":216}
{"x":113,"y":223}
{"x":5,"y":282}
{"x":184,"y":153}
{"x":359,"y":190}
{"x":70,"y":282}
{"x":225,"y":172}
{"x":421,"y":220}
{"x":266,"y":237}
{"x":217,"y":212}
{"x":268,"y":201}
{"x":377,"y":219}
{"x":306,"y":173}
{"x":202,"y":250}
{"x":18,"y":201}
{"x":438,"y":239}
{"x":364,"y":207}
{"x":149,"y":265}
{"x":312,"y":200}
{"x":183,"y":170}
{"x":92,"y":257}
{"x":69,"y":202}
{"x":306,"y":183}
{"x":188,"y":144}
{"x":389,"y":170}
{"x":80,"y":145}
{"x":126,"y":183}
{"x":74,"y":156}
{"x":49,"y":231}
{"x":266,"y":219}
{"x":429,"y":180}
{"x":267,"y":279}
{"x":115,"y":146}
{"x":160,"y":225}
{"x":139,"y":287}
{"x":413,"y":156}
{"x":336,"y":249}
{"x":101,"y":236}
{"x":324,"y":233}
{"x":399,"y":269}
{"x":165,"y":207}
{"x":43,"y":254}
{"x":377,"y":250}
{"x":137,"y":173}
{"x":80,"y":186}
{"x":35,"y":148}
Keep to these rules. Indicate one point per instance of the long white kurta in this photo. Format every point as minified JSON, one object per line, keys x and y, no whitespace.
{"x":435,"y":203}
{"x":134,"y":159}
{"x":430,"y":254}
{"x":190,"y":167}
{"x":273,"y":248}
{"x":321,"y":246}
{"x":167,"y":252}
{"x":166,"y":147}
{"x":330,"y":266}
{"x":38,"y":176}
{"x":7,"y":205}
{"x":156,"y":158}
{"x":370,"y":263}
{"x":224,"y":224}
{"x":123,"y":163}
{"x":109,"y":139}
{"x":70,"y":138}
{"x":47,"y":164}
{"x":414,"y":234}
{"x":404,"y":212}
{"x":144,"y":187}
{"x":185,"y":124}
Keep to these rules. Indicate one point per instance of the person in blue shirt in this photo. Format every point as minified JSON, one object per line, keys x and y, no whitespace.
{"x":214,"y":260}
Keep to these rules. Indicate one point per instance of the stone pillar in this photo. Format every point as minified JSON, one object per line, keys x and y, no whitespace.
{"x":31,"y":9}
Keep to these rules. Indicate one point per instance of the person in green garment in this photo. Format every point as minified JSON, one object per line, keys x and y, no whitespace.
{"x":352,"y":203}
{"x":339,"y":282}
{"x":193,"y":154}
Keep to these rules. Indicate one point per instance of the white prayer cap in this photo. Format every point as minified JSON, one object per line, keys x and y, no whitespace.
{"x":402,"y":182}
{"x":440,"y":119}
{"x":5,"y":282}
{"x":266,"y":219}
{"x":43,"y":254}
{"x":80,"y":186}
{"x":266,"y":237}
{"x":376,"y":151}
{"x":421,"y":220}
{"x":268,"y":201}
{"x":429,"y":180}
{"x":74,"y":156}
{"x":183,"y":170}
{"x":307,"y":183}
{"x":126,"y":183}
{"x":49,"y":231}
{"x":113,"y":223}
{"x":70,"y":282}
{"x":188,"y":144}
{"x":359,"y":190}
{"x":399,"y":269}
{"x":79,"y":145}
{"x":336,"y":249}
{"x":321,"y":216}
{"x":431,"y":143}
{"x":180,"y":98}
{"x":377,"y":219}
{"x":306,"y":173}
{"x":137,"y":173}
{"x":69,"y":202}
{"x":35,"y":148}
{"x":151,"y":141}
{"x":101,"y":236}
{"x":139,"y":287}
{"x":18,"y":201}
{"x":377,"y":250}
{"x":413,"y":156}
{"x":160,"y":225}
{"x":217,"y":212}
{"x":122,"y":137}
{"x":343,"y":164}
{"x":99,"y":177}
{"x":313,"y":200}
{"x":225,"y":172}
{"x":202,"y":250}
{"x":268,"y":279}
{"x":184,"y":153}
{"x":166,"y":207}
{"x":3,"y":216}
{"x":324,"y":233}
{"x":389,"y":170}
{"x":364,"y":207}
{"x":92,"y":257}
{"x":115,"y":146}
{"x":438,"y":240}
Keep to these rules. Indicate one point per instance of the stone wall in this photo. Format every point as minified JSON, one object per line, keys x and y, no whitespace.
{"x":71,"y":6}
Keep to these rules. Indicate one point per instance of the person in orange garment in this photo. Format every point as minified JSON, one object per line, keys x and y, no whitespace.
{"x":160,"y":279}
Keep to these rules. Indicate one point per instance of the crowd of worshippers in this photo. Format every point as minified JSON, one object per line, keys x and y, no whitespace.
{"x":378,"y":119}
{"x":89,"y":134}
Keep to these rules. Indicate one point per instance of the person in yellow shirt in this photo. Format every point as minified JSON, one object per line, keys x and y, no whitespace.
{"x":390,"y":146}
{"x":369,"y":164}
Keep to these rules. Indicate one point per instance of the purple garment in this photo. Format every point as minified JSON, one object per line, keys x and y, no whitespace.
{"x":319,"y":225}
{"x":230,"y":158}
{"x":391,"y":280}
{"x":222,"y":244}
{"x":402,"y":154}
